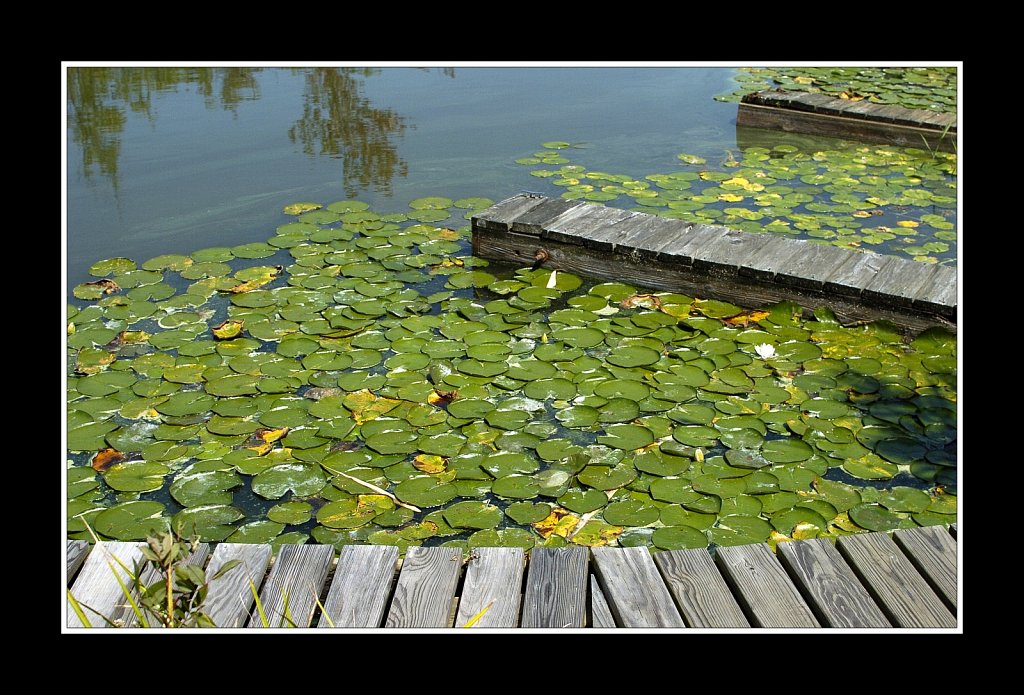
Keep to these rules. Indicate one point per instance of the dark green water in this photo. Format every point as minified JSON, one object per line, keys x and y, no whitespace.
{"x":163,"y":160}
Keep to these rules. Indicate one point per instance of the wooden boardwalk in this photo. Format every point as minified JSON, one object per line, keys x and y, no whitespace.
{"x":820,"y":114}
{"x":711,"y":261}
{"x":867,"y":580}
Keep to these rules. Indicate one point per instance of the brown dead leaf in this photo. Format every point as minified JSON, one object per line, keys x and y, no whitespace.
{"x":105,"y":458}
{"x":106,"y":284}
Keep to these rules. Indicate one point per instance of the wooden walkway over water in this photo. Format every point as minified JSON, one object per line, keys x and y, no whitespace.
{"x":820,"y":114}
{"x":870,"y":580}
{"x":711,"y":261}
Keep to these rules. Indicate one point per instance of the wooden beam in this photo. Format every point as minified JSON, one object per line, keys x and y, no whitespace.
{"x":556,"y":588}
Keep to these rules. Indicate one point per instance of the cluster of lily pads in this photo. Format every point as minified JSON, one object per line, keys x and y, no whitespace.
{"x":360,"y":378}
{"x":899,"y":201}
{"x":932,"y":88}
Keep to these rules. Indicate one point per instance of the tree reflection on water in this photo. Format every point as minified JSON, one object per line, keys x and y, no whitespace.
{"x":337,"y":120}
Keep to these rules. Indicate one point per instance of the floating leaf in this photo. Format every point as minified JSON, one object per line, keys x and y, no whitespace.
{"x":874,"y":517}
{"x":210,"y":522}
{"x":136,"y":476}
{"x":302,"y":480}
{"x":130,"y":521}
{"x":679,"y":538}
{"x":472,"y":515}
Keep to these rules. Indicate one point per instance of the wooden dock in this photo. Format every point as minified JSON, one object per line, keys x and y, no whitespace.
{"x":870,"y":580}
{"x":711,"y":261}
{"x":820,"y":114}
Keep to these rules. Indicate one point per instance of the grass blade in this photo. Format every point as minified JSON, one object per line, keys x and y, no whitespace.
{"x":77,"y":608}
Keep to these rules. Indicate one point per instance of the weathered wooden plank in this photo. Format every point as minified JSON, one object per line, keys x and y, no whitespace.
{"x":600,"y":614}
{"x":425,"y":588}
{"x":809,"y":268}
{"x":361,"y":586}
{"x":77,"y":550}
{"x":500,"y":215}
{"x":939,"y":293}
{"x":763,"y":267}
{"x":933,"y":551}
{"x":850,"y":124}
{"x":687,"y":247}
{"x":292,"y":589}
{"x":556,"y":588}
{"x":901,"y":283}
{"x":569,"y":215}
{"x":891,"y":579}
{"x":636,"y":594}
{"x":494,"y":577}
{"x":729,"y":253}
{"x":150,"y":574}
{"x":762,"y":587}
{"x":535,"y":219}
{"x":676,"y":276}
{"x":621,"y":232}
{"x":577,"y":228}
{"x":96,"y":589}
{"x":850,"y":278}
{"x":700,"y":591}
{"x":831,"y":587}
{"x":659,"y":233}
{"x":231,"y":596}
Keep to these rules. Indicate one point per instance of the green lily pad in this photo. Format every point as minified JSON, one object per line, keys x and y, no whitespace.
{"x":740,"y":529}
{"x":870,"y":467}
{"x":425,"y":491}
{"x":578,"y":416}
{"x":301,"y":479}
{"x":607,"y":477}
{"x":584,"y":501}
{"x":679,"y":538}
{"x":205,"y":487}
{"x":628,"y":437}
{"x":504,"y":538}
{"x":842,"y":497}
{"x":478,"y":515}
{"x":619,"y":410}
{"x":544,"y":389}
{"x":209,"y":522}
{"x":630,"y":513}
{"x":528,"y":512}
{"x":136,"y":476}
{"x":875,"y":518}
{"x":292,"y":512}
{"x":515,"y":487}
{"x":905,"y":499}
{"x":130,"y":521}
{"x":256,"y":532}
{"x":785,"y":521}
{"x":786,"y":450}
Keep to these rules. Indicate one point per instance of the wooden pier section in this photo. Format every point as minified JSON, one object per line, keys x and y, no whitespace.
{"x":820,"y":114}
{"x":869,"y":580}
{"x":712,"y":261}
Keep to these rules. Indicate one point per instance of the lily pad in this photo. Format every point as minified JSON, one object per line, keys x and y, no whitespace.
{"x":515,"y":487}
{"x":425,"y":491}
{"x":607,"y":477}
{"x":630,"y":513}
{"x":628,"y":437}
{"x":905,"y":499}
{"x":205,"y":487}
{"x":292,"y":512}
{"x":875,"y":518}
{"x":679,"y":538}
{"x":136,"y":476}
{"x":476,"y":515}
{"x":504,"y":538}
{"x":131,"y":521}
{"x":210,"y":522}
{"x":301,"y":479}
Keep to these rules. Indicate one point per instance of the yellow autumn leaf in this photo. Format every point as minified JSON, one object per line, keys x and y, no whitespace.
{"x":429,"y":463}
{"x":299,"y":208}
{"x":445,"y":233}
{"x":730,"y":197}
{"x":843,"y":522}
{"x":775,"y":538}
{"x":231,"y":328}
{"x":737,"y":181}
{"x":803,"y":79}
{"x":746,"y":319}
{"x":910,"y":224}
{"x":560,"y":522}
{"x":804,"y":531}
{"x":366,"y":405}
{"x":850,"y":96}
{"x":261,"y":448}
{"x":861,"y":213}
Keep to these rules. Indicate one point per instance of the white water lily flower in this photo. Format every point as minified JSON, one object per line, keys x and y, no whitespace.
{"x":765,"y":351}
{"x":553,"y":279}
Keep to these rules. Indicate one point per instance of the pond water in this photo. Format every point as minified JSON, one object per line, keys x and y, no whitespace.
{"x":164,"y":160}
{"x":586,"y":395}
